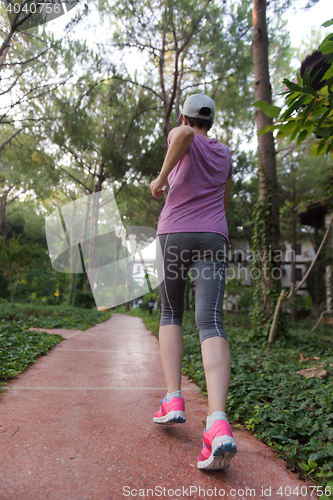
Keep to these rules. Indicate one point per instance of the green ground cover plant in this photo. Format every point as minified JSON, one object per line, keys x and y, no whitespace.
{"x":42,"y":316}
{"x":20,"y":346}
{"x":289,"y":412}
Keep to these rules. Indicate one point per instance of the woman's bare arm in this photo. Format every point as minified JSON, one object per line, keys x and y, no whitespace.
{"x":180,"y":139}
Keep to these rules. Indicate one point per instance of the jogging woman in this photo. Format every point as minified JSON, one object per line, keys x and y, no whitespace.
{"x":193,"y":233}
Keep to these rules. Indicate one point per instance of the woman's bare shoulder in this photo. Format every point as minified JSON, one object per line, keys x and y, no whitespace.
{"x":181,"y":132}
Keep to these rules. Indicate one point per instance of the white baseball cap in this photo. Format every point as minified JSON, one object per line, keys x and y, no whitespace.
{"x":194,"y":104}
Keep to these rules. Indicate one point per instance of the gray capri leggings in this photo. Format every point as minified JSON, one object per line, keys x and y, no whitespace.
{"x":206,"y":255}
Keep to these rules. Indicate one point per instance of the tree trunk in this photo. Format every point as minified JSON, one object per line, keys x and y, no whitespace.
{"x":82,"y":240}
{"x":328,"y":279}
{"x":128,"y":303}
{"x":73,"y":259}
{"x":3,"y":208}
{"x":3,"y":203}
{"x":115,"y":283}
{"x":263,"y":92}
{"x":5,"y":47}
{"x":94,"y":221}
{"x":266,"y":231}
{"x":293,"y":255}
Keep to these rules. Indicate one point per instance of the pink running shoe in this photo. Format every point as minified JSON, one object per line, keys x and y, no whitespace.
{"x":171,"y":412}
{"x":218,"y":447}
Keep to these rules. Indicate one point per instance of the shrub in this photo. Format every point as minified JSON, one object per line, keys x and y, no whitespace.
{"x":145,"y":301}
{"x":53,"y":301}
{"x":43,"y":316}
{"x":246,"y":298}
{"x":84,"y":299}
{"x":20,"y":347}
{"x":304,"y":306}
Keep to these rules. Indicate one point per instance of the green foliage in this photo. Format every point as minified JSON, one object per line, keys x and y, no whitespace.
{"x":19,"y":347}
{"x":328,"y":23}
{"x":304,"y":306}
{"x":315,"y":283}
{"x":266,"y":286}
{"x":4,"y":291}
{"x":26,"y":231}
{"x":32,"y":297}
{"x":243,"y":196}
{"x":145,"y":301}
{"x":31,"y":66}
{"x":24,"y":220}
{"x":24,"y":160}
{"x":244,"y":294}
{"x":270,"y":110}
{"x":108,"y":129}
{"x":138,"y":206}
{"x":281,"y":54}
{"x":16,"y":259}
{"x":289,"y":412}
{"x":84,"y":299}
{"x":192,"y":47}
{"x":246,"y":298}
{"x":40,"y":316}
{"x":303,"y":178}
{"x":308,"y":111}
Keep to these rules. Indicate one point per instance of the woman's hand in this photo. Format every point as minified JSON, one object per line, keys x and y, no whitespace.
{"x":156,"y":186}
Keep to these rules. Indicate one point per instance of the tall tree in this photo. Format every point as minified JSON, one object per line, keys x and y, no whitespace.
{"x":266,"y":214}
{"x":187,"y":47}
{"x":33,"y":65}
{"x":266,"y":220}
{"x":25,"y":168}
{"x":107,"y":131}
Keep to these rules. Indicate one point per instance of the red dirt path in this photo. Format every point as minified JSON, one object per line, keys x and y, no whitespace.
{"x":77,"y":425}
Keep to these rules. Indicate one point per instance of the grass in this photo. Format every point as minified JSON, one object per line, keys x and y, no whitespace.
{"x":20,"y":347}
{"x":40,"y":316}
{"x":290,"y":413}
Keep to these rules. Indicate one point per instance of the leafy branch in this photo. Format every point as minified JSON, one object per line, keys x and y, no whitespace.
{"x":309,"y":107}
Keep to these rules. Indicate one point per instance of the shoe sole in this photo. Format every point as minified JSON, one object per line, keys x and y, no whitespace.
{"x":223,"y":451}
{"x":173,"y":417}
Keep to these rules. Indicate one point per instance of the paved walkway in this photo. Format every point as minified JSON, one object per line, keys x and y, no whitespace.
{"x":77,"y":425}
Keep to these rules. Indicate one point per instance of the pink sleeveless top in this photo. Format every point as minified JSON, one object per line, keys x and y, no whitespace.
{"x":195,"y":202}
